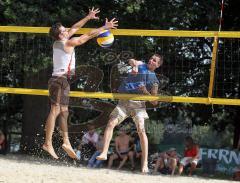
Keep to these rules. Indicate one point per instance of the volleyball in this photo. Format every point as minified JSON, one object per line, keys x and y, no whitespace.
{"x":105,"y":39}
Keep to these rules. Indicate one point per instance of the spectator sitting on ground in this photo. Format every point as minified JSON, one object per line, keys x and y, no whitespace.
{"x":191,"y":156}
{"x":167,"y":162}
{"x":89,"y":141}
{"x":93,"y":162}
{"x":122,"y":142}
{"x":78,"y":151}
{"x":2,"y":143}
{"x":137,"y":147}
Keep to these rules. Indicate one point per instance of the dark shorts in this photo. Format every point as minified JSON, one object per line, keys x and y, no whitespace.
{"x":122,"y":153}
{"x":59,"y":89}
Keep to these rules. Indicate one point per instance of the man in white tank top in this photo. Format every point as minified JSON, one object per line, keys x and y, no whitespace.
{"x":63,"y":68}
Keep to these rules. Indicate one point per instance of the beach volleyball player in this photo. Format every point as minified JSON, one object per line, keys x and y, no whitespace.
{"x":63,"y":69}
{"x":142,"y":80}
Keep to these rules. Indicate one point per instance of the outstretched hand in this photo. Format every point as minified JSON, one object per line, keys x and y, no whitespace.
{"x":112,"y":24}
{"x":143,"y":89}
{"x":92,"y":13}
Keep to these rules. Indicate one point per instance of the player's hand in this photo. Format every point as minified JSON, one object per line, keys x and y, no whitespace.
{"x":112,"y":24}
{"x":143,"y":89}
{"x":92,"y":13}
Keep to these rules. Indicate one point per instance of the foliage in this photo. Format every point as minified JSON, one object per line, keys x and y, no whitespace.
{"x":206,"y":136}
{"x":155,"y":131}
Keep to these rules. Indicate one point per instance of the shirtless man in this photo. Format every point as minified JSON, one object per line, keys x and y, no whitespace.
{"x":122,"y":142}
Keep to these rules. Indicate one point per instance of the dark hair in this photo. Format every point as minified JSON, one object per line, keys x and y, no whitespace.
{"x":189,"y":139}
{"x":55,"y":31}
{"x":160,"y":58}
{"x":90,"y":127}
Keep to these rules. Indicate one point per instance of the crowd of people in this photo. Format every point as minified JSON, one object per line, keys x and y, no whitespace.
{"x":126,"y":152}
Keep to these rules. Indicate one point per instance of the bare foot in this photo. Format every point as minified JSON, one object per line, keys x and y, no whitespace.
{"x":145,"y":169}
{"x":69,"y":150}
{"x":50,"y":150}
{"x":101,"y":157}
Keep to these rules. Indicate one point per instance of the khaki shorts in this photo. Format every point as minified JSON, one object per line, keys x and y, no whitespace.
{"x":59,"y":89}
{"x":135,"y":109}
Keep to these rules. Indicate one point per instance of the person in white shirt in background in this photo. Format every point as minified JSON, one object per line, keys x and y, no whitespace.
{"x":89,"y":141}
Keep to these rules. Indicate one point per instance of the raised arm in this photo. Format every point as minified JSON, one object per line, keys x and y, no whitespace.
{"x":91,"y":15}
{"x":134,"y":64}
{"x":76,"y":41}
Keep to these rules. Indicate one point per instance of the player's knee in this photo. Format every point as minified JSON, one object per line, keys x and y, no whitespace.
{"x":112,"y":123}
{"x":64,"y":112}
{"x":64,"y":109}
{"x":55,"y":109}
{"x":141,"y":129}
{"x":140,"y":125}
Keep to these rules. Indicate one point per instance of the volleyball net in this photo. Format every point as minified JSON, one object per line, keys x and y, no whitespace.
{"x":199,"y":66}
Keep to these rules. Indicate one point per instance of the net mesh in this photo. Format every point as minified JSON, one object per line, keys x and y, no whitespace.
{"x":26,"y":60}
{"x":227,"y":69}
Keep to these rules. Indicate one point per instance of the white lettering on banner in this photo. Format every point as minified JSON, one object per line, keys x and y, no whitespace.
{"x":233,"y":155}
{"x":224,"y":155}
{"x":203,"y":152}
{"x":212,"y":153}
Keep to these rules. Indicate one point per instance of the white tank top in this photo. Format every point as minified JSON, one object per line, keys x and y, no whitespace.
{"x":63,"y":62}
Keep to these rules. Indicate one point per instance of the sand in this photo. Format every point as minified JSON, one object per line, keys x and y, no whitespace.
{"x":25,"y":168}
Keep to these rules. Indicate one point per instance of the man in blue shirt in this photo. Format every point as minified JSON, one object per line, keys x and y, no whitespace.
{"x":141,"y":80}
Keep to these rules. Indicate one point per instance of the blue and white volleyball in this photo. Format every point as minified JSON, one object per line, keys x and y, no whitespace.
{"x":105,"y":39}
